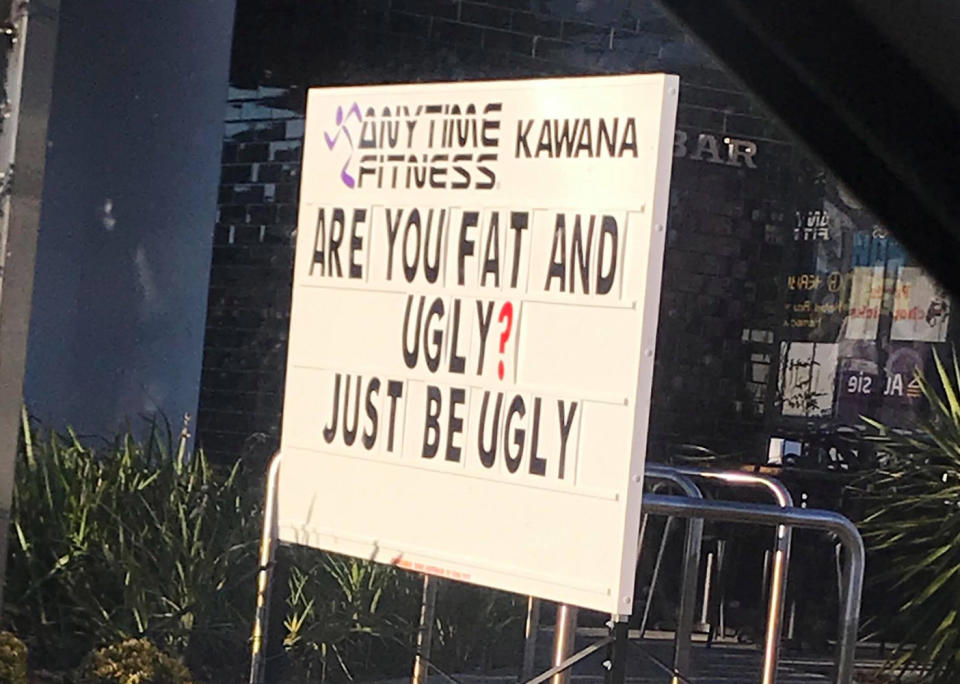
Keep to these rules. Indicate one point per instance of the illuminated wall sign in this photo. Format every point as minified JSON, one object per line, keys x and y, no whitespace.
{"x":476,"y":291}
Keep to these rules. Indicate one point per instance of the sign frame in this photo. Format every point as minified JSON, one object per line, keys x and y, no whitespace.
{"x":289,"y":516}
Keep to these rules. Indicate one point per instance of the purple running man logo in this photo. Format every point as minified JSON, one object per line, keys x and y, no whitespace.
{"x":342,"y":130}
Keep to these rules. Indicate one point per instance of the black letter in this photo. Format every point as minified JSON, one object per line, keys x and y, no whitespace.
{"x":454,"y":423}
{"x":336,"y":237}
{"x":516,"y":408}
{"x":469,"y":220}
{"x":538,"y":466}
{"x":491,"y":264}
{"x":484,"y":323}
{"x":433,"y":360}
{"x":558,"y":255}
{"x":319,"y":243}
{"x":393,"y":227}
{"x":608,"y":226}
{"x":410,"y":357}
{"x":565,"y":424}
{"x":578,"y":257}
{"x":370,"y":437}
{"x":433,"y":270}
{"x":394,"y":391}
{"x":522,"y":134}
{"x":433,"y":399}
{"x":518,"y":222}
{"x":350,"y":434}
{"x":491,"y":124}
{"x":489,"y":456}
{"x":330,"y":431}
{"x":457,"y":363}
{"x":410,"y":270}
{"x":356,"y":242}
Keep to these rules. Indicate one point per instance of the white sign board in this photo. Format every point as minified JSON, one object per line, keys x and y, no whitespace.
{"x":475,"y":304}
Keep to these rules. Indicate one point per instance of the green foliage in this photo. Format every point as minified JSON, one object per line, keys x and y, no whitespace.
{"x":478,"y":627}
{"x":134,"y":661}
{"x":134,"y":539}
{"x":138,"y":540}
{"x":13,"y":659}
{"x":347,"y":617}
{"x":913,"y":529}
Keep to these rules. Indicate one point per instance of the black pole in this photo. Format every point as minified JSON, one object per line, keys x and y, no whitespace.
{"x":618,"y":654}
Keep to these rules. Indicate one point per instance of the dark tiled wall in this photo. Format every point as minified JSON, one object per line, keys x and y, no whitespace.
{"x":249,"y":300}
{"x":726,"y":227}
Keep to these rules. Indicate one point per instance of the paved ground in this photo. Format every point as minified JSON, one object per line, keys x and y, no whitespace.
{"x":726,"y":663}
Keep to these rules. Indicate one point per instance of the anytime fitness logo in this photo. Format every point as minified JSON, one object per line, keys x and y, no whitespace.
{"x":442,"y":146}
{"x":342,"y":131}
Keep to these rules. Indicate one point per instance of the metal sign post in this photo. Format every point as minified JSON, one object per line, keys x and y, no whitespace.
{"x":428,"y":605}
{"x":268,"y":552}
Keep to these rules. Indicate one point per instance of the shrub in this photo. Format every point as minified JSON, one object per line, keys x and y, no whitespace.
{"x":912,"y":527}
{"x":134,"y":661}
{"x":134,"y":539}
{"x":13,"y":659}
{"x":476,"y":627}
{"x":346,"y":617}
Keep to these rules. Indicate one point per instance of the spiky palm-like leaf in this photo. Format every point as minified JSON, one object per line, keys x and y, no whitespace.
{"x":912,"y":526}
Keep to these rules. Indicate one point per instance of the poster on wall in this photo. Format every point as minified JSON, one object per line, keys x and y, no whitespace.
{"x":866,"y":298}
{"x":475,"y":301}
{"x":921,"y":307}
{"x":807,"y":379}
{"x":889,"y":392}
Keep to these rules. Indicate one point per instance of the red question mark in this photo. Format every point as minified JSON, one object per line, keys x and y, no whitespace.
{"x":506,"y":311}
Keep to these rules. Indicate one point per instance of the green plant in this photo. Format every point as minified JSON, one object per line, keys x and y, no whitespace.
{"x":133,"y":539}
{"x":13,"y":659}
{"x":477,"y":628}
{"x":912,"y":527}
{"x":346,"y":616}
{"x":134,"y":661}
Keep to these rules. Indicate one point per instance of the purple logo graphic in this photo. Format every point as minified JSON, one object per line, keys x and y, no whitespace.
{"x":343,"y":131}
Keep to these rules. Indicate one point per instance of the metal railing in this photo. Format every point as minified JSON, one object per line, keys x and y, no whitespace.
{"x":692,"y":508}
{"x":781,"y":555}
{"x":853,"y":566}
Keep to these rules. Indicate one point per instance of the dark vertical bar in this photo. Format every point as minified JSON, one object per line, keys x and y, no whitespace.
{"x":29,"y":81}
{"x":618,"y":654}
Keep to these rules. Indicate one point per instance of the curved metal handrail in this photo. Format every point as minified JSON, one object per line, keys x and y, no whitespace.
{"x":797,"y":517}
{"x":781,"y":557}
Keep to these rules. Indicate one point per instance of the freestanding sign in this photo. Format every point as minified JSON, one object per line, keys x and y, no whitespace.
{"x":475,"y":304}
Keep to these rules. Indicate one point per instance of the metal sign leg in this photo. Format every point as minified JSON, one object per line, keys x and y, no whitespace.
{"x":563,"y":639}
{"x":531,"y":628}
{"x":618,"y":654}
{"x":268,"y":549}
{"x":421,"y":661}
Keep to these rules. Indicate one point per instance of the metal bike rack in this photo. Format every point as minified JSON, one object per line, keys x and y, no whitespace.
{"x":781,"y":557}
{"x":690,"y":567}
{"x":853,"y":566}
{"x":567,"y":615}
{"x":681,"y":475}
